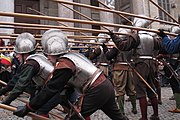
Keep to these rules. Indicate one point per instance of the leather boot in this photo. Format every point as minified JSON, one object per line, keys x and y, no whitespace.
{"x":120,"y":101}
{"x":154,"y":103}
{"x":143,"y":107}
{"x":159,"y":95}
{"x":177,"y":99}
{"x":133,"y":102}
{"x":88,"y":118}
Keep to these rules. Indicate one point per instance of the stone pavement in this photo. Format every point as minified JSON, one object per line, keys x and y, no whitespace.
{"x":163,"y":109}
{"x":99,"y":115}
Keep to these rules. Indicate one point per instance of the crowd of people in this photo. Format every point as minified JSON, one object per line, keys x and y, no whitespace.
{"x":60,"y":76}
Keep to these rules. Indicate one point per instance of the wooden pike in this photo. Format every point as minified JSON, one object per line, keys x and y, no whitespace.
{"x":85,"y":16}
{"x":82,"y":29}
{"x":69,"y":36}
{"x":51,"y":113}
{"x":57,"y":21}
{"x":117,"y":14}
{"x":113,"y":11}
{"x":33,"y":115}
{"x":10,"y":14}
{"x":3,"y":83}
{"x":71,"y":41}
{"x":141,"y":78}
{"x":163,"y":11}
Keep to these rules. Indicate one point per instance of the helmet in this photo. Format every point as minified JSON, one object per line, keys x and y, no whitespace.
{"x":175,"y":29}
{"x":25,"y":43}
{"x":54,"y":42}
{"x":124,"y":30}
{"x":139,"y":22}
{"x":103,"y":40}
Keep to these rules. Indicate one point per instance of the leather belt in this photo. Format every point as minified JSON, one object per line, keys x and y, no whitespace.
{"x":98,"y":81}
{"x":103,"y":64}
{"x":146,"y":57}
{"x":118,"y":66}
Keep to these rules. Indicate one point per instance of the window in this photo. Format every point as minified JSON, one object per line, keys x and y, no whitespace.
{"x":166,"y":6}
{"x":94,"y":3}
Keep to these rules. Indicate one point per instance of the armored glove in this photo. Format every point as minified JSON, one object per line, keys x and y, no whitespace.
{"x":161,"y":33}
{"x":22,"y":111}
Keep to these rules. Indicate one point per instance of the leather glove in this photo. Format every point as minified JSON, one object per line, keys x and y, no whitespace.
{"x":105,"y":48}
{"x":111,"y":33}
{"x":5,"y":102}
{"x":22,"y":111}
{"x":161,"y":33}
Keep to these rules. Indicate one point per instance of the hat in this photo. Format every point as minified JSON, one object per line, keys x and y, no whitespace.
{"x":5,"y":60}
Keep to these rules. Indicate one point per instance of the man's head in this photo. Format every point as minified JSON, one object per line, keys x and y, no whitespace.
{"x":54,"y":42}
{"x":124,"y":30}
{"x":24,"y":46}
{"x":140,"y":22}
{"x":104,"y":38}
{"x":175,"y":29}
{"x":25,"y":43}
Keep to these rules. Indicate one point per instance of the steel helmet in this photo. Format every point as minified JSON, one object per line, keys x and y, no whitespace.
{"x":140,"y":22}
{"x":123,"y":30}
{"x":103,"y":40}
{"x":54,"y":42}
{"x":25,"y":43}
{"x":175,"y":29}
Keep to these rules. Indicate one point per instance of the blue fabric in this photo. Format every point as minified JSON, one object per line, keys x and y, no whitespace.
{"x":171,"y":45}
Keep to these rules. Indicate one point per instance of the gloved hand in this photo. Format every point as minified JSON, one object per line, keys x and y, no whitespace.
{"x":5,"y":102}
{"x":111,"y":33}
{"x":22,"y":111}
{"x":105,"y":48}
{"x":161,"y":33}
{"x":103,"y":45}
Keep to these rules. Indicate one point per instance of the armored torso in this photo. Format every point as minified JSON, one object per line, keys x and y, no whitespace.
{"x":45,"y":71}
{"x":146,"y":47}
{"x":86,"y":72}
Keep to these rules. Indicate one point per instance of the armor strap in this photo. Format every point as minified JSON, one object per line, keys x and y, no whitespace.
{"x":65,"y":63}
{"x":94,"y":77}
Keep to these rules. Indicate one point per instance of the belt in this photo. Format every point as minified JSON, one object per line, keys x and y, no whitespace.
{"x":146,"y":57}
{"x":98,"y":81}
{"x":103,"y":64}
{"x":118,"y":66}
{"x":122,"y":63}
{"x":174,"y":58}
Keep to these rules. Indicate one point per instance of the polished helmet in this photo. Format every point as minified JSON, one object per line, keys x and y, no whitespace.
{"x":103,"y":40}
{"x":25,"y":43}
{"x":54,"y":42}
{"x":124,"y":30}
{"x":140,"y":22}
{"x":175,"y":29}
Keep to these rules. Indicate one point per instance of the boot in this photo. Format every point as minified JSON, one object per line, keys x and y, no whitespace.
{"x":159,"y":95}
{"x":120,"y":101}
{"x":177,"y":99}
{"x":88,"y":118}
{"x":128,"y":100}
{"x":149,"y":102}
{"x":143,"y":107}
{"x":133,"y":102}
{"x":154,"y":103}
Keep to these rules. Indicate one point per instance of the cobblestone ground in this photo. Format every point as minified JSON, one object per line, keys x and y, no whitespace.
{"x":99,"y":115}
